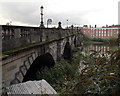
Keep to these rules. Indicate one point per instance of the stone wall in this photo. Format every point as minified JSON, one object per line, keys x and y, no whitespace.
{"x":19,"y":36}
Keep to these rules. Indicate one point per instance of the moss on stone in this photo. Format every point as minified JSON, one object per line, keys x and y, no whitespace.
{"x":8,"y":52}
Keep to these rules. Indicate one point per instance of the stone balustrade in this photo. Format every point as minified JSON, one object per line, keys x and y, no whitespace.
{"x":18,"y":36}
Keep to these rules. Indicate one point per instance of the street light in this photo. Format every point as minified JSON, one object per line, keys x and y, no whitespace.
{"x":67,"y":23}
{"x":41,"y":23}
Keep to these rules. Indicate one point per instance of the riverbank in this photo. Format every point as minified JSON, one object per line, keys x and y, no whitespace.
{"x":85,"y":73}
{"x":99,"y":43}
{"x":109,"y":41}
{"x":92,"y":42}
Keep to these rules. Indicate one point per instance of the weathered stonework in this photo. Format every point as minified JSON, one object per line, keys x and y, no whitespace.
{"x":50,"y":40}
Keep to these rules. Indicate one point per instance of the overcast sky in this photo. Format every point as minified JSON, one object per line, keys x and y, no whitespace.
{"x":78,"y":12}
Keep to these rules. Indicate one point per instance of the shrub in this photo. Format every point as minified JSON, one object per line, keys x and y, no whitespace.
{"x":61,"y":75}
{"x":93,"y":73}
{"x":112,"y":40}
{"x":100,"y":75}
{"x":98,"y":39}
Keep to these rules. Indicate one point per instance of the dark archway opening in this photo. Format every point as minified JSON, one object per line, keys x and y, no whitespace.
{"x":67,"y":54}
{"x":45,"y":60}
{"x":75,"y":42}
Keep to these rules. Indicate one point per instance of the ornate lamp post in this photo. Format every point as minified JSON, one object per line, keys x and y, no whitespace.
{"x":41,"y":23}
{"x":67,"y":23}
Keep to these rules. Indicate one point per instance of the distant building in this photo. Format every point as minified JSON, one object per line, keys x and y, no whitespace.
{"x":101,"y":32}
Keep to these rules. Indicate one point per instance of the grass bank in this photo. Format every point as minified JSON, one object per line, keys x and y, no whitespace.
{"x":110,"y":41}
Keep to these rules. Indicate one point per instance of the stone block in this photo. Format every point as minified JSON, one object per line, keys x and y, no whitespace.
{"x":19,"y":76}
{"x":27,"y":64}
{"x":23,"y":70}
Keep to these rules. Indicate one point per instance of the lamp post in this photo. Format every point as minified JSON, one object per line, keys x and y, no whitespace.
{"x":41,"y":23}
{"x":67,"y":23}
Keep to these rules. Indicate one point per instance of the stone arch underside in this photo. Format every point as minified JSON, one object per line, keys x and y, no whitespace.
{"x":31,"y":66}
{"x":67,"y":53}
{"x":38,"y":63}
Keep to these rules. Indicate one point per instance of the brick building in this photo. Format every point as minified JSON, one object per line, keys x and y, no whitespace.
{"x":101,"y":32}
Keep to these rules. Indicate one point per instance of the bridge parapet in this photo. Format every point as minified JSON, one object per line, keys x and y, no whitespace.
{"x":19,"y":36}
{"x":31,"y":43}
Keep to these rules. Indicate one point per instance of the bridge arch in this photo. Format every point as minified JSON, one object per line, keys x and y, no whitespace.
{"x":67,"y":53}
{"x":75,"y":42}
{"x":40,"y":62}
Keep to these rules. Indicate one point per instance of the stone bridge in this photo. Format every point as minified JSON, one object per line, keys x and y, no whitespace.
{"x":25,"y":49}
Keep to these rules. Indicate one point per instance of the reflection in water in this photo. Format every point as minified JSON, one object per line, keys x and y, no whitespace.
{"x":98,"y":47}
{"x":87,"y":48}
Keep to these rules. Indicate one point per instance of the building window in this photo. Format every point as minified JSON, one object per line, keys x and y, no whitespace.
{"x":108,"y":34}
{"x":96,"y":33}
{"x":104,"y":33}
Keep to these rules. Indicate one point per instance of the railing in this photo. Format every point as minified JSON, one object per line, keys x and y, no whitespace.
{"x":17,"y":36}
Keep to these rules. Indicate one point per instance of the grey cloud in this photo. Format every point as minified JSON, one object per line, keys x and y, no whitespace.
{"x":119,"y":12}
{"x":30,"y":13}
{"x":23,"y":12}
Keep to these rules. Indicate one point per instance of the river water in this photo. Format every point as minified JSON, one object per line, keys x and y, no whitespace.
{"x":103,"y":48}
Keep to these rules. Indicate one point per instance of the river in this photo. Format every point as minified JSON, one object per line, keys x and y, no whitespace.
{"x":103,"y":48}
{"x":98,"y":47}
